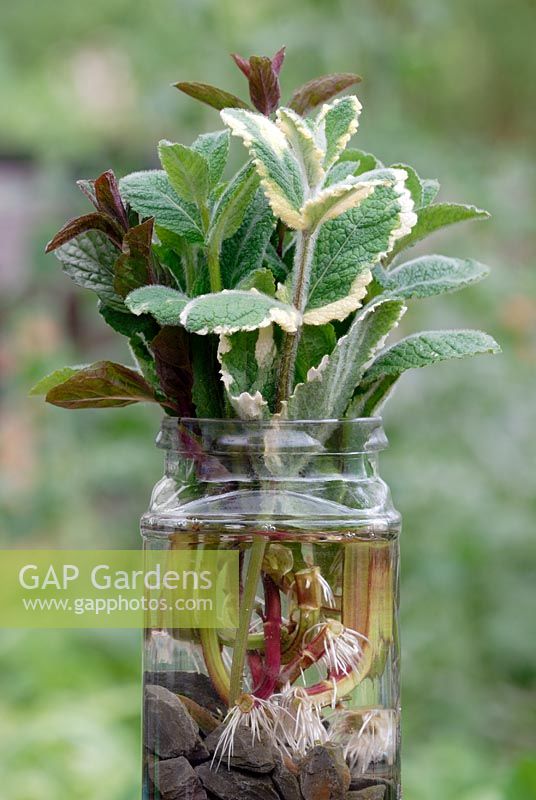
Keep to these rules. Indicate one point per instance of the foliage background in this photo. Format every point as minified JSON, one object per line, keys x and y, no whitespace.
{"x":448,"y":88}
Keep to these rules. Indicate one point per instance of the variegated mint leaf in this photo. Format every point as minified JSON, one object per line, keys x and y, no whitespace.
{"x":214,"y":147}
{"x":348,"y":248}
{"x":187,"y":171}
{"x":429,"y":347}
{"x":330,"y":386}
{"x":333,"y":201}
{"x":89,"y":260}
{"x":151,"y":194}
{"x":429,"y":275}
{"x":335,"y":126}
{"x":228,"y":213}
{"x":320,"y":90}
{"x":276,"y":164}
{"x":413,"y":183}
{"x":248,"y":368}
{"x":430,"y":190}
{"x":233,"y":310}
{"x":244,"y":252}
{"x":316,"y":341}
{"x":433,"y":218}
{"x":306,"y":150}
{"x":163,"y":303}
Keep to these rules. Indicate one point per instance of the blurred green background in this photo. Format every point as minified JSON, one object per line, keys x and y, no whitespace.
{"x":449,"y":88}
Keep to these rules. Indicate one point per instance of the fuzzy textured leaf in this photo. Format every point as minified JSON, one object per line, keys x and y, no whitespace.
{"x":261,"y":279}
{"x":320,"y":90}
{"x":302,"y":139}
{"x":151,"y":194}
{"x":367,"y":161}
{"x":330,"y":386}
{"x":163,"y":303}
{"x":133,"y":267}
{"x":430,"y":190}
{"x":214,"y":147}
{"x":244,"y":252}
{"x":335,"y":126}
{"x":89,"y":260}
{"x":316,"y":341}
{"x":233,"y":310}
{"x":187,"y":171}
{"x":211,"y":95}
{"x":248,"y":360}
{"x":279,"y":170}
{"x":413,"y":183}
{"x":334,"y":201}
{"x":229,"y":211}
{"x":348,"y":247}
{"x":103,"y":384}
{"x":129,"y":324}
{"x":434,"y":217}
{"x":430,"y":275}
{"x":430,"y":347}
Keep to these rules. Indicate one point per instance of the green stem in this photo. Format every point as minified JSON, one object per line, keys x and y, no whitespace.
{"x":189,"y":264}
{"x":246,"y":609}
{"x":215,"y":666}
{"x":303,"y":259}
{"x":213,"y":257}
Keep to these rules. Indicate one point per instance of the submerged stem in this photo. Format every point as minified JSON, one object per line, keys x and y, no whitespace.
{"x":246,"y":609}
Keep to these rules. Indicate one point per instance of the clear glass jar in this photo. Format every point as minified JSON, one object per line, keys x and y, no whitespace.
{"x":302,"y":699}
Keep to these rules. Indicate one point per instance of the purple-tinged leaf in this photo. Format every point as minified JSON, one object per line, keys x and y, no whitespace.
{"x":242,"y":64}
{"x":277,"y":60}
{"x":264,"y":88}
{"x":101,"y":385}
{"x":319,"y":90}
{"x":89,"y":222}
{"x":108,"y":198}
{"x":211,"y":95}
{"x":134,"y":267}
{"x":87,"y":187}
{"x":174,"y":369}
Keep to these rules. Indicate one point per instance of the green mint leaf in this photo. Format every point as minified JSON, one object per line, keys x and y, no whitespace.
{"x":429,"y":275}
{"x":43,"y":386}
{"x":430,"y":190}
{"x":89,"y":260}
{"x":261,"y":279}
{"x":187,"y":171}
{"x":163,"y":303}
{"x":232,"y":310}
{"x":244,"y":252}
{"x":429,"y":347}
{"x":348,"y":247}
{"x":174,"y":369}
{"x":96,"y":221}
{"x":228,"y":213}
{"x":335,"y":125}
{"x":433,"y":218}
{"x":134,"y":267}
{"x":367,"y":161}
{"x":370,"y":397}
{"x":320,"y":90}
{"x":316,"y":341}
{"x":330,"y":386}
{"x":214,"y":147}
{"x":151,"y":194}
{"x":129,"y":324}
{"x":279,"y":170}
{"x":145,"y":362}
{"x":101,"y":385}
{"x":248,"y":361}
{"x":211,"y":95}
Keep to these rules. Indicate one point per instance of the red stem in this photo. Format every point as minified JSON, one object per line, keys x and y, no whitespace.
{"x":272,"y":638}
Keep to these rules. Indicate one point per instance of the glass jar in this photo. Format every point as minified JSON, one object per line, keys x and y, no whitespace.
{"x":301,"y":699}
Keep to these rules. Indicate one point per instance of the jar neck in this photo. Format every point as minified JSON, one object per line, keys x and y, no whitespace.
{"x":222,"y":451}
